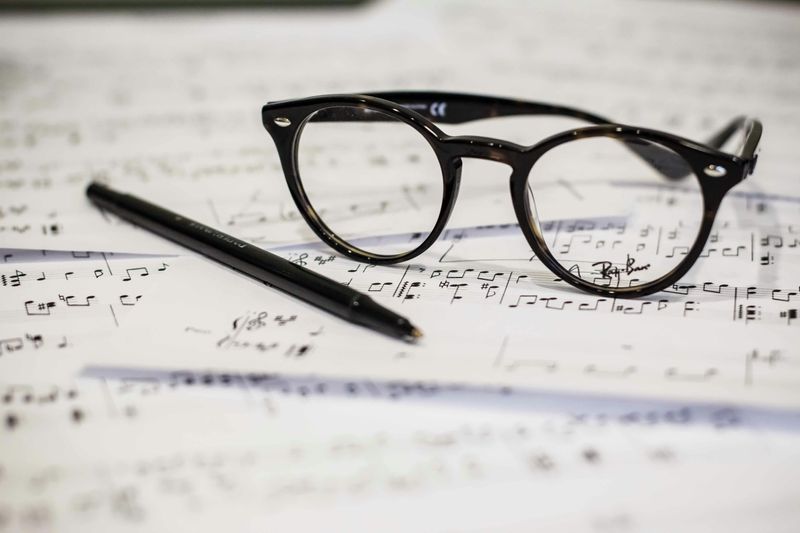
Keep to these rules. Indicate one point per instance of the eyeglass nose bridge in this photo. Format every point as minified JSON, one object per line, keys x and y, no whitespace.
{"x":484,"y":148}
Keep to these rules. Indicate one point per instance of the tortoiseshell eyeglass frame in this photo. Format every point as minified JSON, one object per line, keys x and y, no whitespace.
{"x":717,"y":172}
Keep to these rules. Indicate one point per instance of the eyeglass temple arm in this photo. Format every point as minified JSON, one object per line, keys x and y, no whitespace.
{"x":661,"y":159}
{"x":456,"y":108}
{"x":450,"y":108}
{"x":752,"y":136}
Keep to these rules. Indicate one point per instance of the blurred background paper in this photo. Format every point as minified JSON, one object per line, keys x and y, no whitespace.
{"x":165,"y":104}
{"x":170,"y":4}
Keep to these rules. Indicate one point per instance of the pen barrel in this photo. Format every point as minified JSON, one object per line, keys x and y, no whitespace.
{"x":269,"y":268}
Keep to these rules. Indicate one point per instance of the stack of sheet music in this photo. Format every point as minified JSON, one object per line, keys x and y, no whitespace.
{"x":144,"y":388}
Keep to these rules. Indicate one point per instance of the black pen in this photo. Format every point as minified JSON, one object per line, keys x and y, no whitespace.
{"x":275,"y":271}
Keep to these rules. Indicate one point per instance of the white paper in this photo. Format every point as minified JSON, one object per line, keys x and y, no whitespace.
{"x":143,"y":454}
{"x":494,"y":320}
{"x":55,"y":303}
{"x":164,"y":112}
{"x":167,"y":107}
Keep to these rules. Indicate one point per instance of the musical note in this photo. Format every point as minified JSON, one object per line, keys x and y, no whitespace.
{"x":141,"y":271}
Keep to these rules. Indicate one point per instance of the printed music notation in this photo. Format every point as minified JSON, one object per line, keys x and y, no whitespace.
{"x":176,"y":120}
{"x":478,"y":451}
{"x":43,"y":204}
{"x":53,"y":303}
{"x":504,"y":306}
{"x":139,"y":395}
{"x":30,"y":341}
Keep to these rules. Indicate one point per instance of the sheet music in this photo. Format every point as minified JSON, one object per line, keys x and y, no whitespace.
{"x":179,"y":448}
{"x":491,"y":319}
{"x":394,"y":443}
{"x":54,"y":303}
{"x":165,"y":125}
{"x":163,"y":122}
{"x":523,"y":391}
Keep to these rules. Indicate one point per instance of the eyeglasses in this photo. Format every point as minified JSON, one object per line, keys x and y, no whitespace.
{"x":611,"y":209}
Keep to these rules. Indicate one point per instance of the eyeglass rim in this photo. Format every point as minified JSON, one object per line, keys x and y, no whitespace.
{"x":450,"y":149}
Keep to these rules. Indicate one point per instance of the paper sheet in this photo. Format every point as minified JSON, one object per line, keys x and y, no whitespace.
{"x":167,"y":107}
{"x":145,"y":453}
{"x":494,"y":320}
{"x":142,"y":449}
{"x":53,"y":303}
{"x":167,"y":114}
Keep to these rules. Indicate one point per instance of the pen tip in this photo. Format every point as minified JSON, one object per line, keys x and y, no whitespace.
{"x":415,"y":334}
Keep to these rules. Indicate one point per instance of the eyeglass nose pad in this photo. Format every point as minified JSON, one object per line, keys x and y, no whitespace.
{"x":525,"y":207}
{"x":456,"y":165}
{"x":452,"y":182}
